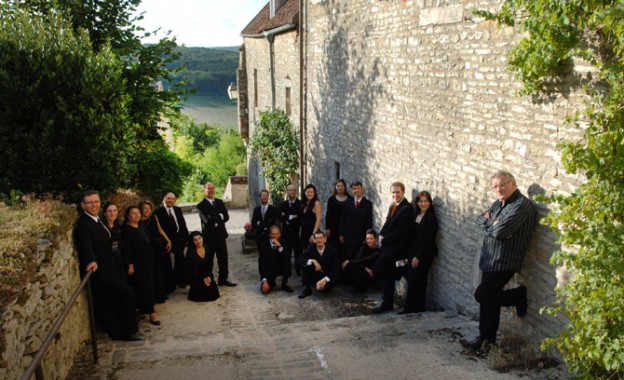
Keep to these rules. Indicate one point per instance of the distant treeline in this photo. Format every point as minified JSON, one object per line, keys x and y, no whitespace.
{"x":208,"y":70}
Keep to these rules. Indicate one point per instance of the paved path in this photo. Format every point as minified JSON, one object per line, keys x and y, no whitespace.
{"x":246,"y":335}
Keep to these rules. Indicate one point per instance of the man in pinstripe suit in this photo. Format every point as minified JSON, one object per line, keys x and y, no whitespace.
{"x":508,"y":225}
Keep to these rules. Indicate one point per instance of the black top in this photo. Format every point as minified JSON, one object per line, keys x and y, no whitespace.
{"x":423,"y":245}
{"x":137,"y":249}
{"x":308,"y":220}
{"x":366,"y":256}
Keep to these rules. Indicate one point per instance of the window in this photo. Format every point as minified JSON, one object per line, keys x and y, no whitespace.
{"x":336,"y":170}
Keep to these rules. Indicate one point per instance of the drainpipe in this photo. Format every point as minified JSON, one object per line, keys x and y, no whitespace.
{"x":302,"y":118}
{"x":271,"y":39}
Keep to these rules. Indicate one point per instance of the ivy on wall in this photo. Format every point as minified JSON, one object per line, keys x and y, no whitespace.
{"x":590,"y":221}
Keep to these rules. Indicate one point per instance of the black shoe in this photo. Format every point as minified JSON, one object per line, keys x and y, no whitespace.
{"x":227,"y":283}
{"x":134,"y":338}
{"x":477,"y":343}
{"x":155,"y":323}
{"x":522,"y":306}
{"x":306,"y":292}
{"x":381,"y":309}
{"x":406,"y":311}
{"x":287,"y":288}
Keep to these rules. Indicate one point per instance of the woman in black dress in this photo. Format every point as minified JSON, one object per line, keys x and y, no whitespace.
{"x":359,"y":271}
{"x":161,"y":245}
{"x":110,"y":216}
{"x":139,"y":258}
{"x":311,"y":214}
{"x":335,"y":209}
{"x":423,"y":250}
{"x":199,"y":275}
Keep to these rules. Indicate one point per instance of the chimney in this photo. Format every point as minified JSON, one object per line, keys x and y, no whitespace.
{"x":274,"y":6}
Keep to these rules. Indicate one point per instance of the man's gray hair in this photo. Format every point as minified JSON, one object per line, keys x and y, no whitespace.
{"x":503,"y":174}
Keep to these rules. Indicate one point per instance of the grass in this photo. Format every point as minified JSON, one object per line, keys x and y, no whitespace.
{"x":22,"y":227}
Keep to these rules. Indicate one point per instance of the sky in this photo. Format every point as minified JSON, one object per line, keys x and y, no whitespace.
{"x":195,"y":23}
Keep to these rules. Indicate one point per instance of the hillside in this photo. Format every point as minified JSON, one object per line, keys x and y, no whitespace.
{"x":208,"y":70}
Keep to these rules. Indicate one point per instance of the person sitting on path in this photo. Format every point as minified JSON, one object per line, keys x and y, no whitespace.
{"x":273,"y":261}
{"x":198,"y":267}
{"x":320,"y":266}
{"x":359,"y":270}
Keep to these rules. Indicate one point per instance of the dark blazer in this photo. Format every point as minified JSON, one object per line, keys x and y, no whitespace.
{"x":262,"y":225}
{"x":423,"y":245}
{"x":330,"y":262}
{"x":93,"y":243}
{"x":290,"y":216}
{"x":178,"y":237}
{"x":396,"y":229}
{"x":272,"y":262}
{"x":213,"y":225}
{"x":356,"y":221}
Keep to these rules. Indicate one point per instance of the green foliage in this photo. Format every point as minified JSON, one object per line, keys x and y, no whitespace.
{"x":215,"y":154}
{"x":159,"y":170}
{"x":276,"y":147}
{"x":590,"y":222}
{"x":63,"y":124}
{"x":208,"y":70}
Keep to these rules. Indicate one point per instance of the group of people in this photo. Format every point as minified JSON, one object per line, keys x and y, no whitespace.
{"x":349,"y":251}
{"x":131,"y":261}
{"x":133,"y":270}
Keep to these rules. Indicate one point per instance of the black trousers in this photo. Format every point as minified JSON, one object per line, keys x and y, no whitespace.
{"x":311,"y":277}
{"x":386,"y":271}
{"x":218,"y":247}
{"x":178,"y":265}
{"x":115,"y":307}
{"x":417,"y":286}
{"x":491,"y":297}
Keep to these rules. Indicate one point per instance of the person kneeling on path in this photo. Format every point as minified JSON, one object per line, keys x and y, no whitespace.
{"x":273,"y":261}
{"x":320,"y":264}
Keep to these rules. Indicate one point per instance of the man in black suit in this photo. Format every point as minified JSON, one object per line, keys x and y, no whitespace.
{"x":214,"y":215}
{"x":113,"y":298}
{"x":172,"y":222}
{"x":273,"y":261}
{"x":357,"y":218}
{"x":264,"y":216}
{"x":394,"y":240}
{"x":320,"y":264}
{"x":290,"y":216}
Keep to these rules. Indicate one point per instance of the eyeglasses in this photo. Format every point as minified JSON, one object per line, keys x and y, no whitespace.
{"x":501,"y":186}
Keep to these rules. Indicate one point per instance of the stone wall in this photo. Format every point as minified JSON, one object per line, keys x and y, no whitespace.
{"x":419,"y":92}
{"x":286,"y":66}
{"x":25,"y":323}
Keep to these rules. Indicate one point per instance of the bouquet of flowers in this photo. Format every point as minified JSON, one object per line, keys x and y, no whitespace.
{"x":248,"y":231}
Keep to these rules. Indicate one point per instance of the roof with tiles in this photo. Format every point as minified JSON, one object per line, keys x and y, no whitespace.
{"x":287,"y":14}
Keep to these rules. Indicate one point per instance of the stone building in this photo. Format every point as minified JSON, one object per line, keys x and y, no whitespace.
{"x":419,"y":92}
{"x":268,"y":74}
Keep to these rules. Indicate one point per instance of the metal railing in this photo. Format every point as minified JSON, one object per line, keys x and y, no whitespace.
{"x":35,"y":364}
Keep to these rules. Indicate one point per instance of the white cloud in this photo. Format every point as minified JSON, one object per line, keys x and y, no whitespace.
{"x":199,"y":22}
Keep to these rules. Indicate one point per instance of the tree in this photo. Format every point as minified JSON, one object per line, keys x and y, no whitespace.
{"x":590,"y":222}
{"x":63,"y":124}
{"x":276,"y":147}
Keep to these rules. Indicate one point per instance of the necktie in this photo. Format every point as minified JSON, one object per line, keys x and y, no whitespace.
{"x":173,"y":219}
{"x":357,"y":203}
{"x":263,"y":208}
{"x":104,"y":227}
{"x":393,"y":210}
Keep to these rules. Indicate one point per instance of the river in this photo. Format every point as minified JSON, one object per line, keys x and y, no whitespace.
{"x":212,"y":110}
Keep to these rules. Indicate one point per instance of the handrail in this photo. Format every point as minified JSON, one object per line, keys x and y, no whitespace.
{"x":35,"y":364}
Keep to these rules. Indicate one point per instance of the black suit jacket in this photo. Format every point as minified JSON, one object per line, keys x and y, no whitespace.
{"x":178,"y":237}
{"x":272,"y":262}
{"x":396,"y":230}
{"x":423,"y":245}
{"x":93,"y":243}
{"x":213,"y":224}
{"x":330,"y":262}
{"x":290,"y":216}
{"x":356,"y":221}
{"x":262,"y":225}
